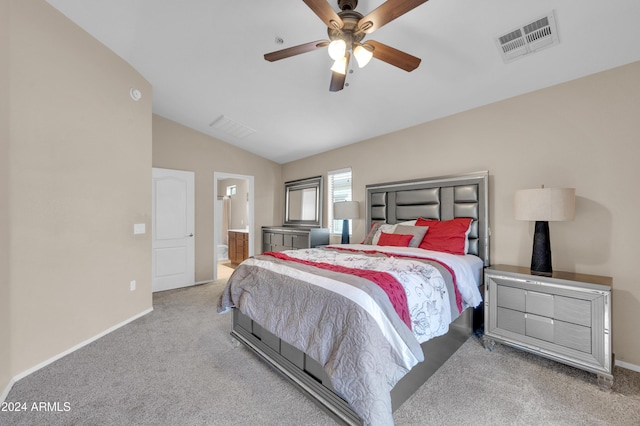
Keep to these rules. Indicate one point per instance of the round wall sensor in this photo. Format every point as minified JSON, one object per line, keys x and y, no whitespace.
{"x":136,"y":95}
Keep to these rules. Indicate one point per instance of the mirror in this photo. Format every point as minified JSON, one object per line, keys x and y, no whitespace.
{"x":303,"y":202}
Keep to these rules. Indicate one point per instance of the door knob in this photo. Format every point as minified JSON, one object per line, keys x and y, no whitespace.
{"x":190,"y":235}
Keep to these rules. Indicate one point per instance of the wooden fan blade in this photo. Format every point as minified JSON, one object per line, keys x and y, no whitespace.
{"x":393,"y":56}
{"x":295,"y":50}
{"x":325,"y":12}
{"x":337,"y":79}
{"x":386,"y":13}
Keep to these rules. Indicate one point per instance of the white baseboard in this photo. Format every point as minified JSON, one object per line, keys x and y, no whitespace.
{"x":68,"y":351}
{"x":628,"y":366}
{"x":7,"y":389}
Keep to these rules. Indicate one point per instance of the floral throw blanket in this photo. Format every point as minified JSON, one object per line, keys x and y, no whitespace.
{"x":422,"y":283}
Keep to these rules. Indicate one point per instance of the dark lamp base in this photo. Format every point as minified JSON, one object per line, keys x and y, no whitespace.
{"x":541,"y":254}
{"x":345,"y":232}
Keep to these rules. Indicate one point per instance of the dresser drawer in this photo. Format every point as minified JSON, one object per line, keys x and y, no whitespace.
{"x":300,"y":241}
{"x":273,"y":239}
{"x":293,"y":238}
{"x":296,"y":241}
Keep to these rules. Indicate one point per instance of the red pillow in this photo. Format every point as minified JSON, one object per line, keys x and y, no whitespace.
{"x":397,"y":240}
{"x":449,"y":236}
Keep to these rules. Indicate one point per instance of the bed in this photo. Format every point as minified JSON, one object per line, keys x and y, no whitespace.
{"x":360,"y":327}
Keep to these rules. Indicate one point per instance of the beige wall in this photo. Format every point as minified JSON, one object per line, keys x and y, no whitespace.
{"x":181,"y":148}
{"x":581,"y":134}
{"x":5,"y":302}
{"x":80,"y":178}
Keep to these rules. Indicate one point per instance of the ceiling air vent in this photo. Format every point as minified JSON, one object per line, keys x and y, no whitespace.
{"x":231,"y":127}
{"x":529,"y":38}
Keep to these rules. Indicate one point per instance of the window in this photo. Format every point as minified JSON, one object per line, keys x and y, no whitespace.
{"x":231,"y":190}
{"x":340,"y":189}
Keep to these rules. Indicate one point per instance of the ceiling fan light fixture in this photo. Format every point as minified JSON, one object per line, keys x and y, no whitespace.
{"x":346,"y":31}
{"x":340,"y":66}
{"x":337,"y":49}
{"x":363,"y":54}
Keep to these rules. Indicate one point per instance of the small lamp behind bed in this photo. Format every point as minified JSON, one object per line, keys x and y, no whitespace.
{"x":542,"y":205}
{"x":346,"y":210}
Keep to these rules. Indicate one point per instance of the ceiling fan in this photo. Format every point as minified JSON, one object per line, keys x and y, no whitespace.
{"x":347,"y":30}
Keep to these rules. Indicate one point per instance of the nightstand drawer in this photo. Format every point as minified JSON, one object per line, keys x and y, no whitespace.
{"x":573,"y":336}
{"x":539,"y":327}
{"x":539,"y":303}
{"x":569,"y":309}
{"x":511,"y":320}
{"x":511,"y":298}
{"x":561,"y":333}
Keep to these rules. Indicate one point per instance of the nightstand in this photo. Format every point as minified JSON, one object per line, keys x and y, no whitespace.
{"x":565,"y":317}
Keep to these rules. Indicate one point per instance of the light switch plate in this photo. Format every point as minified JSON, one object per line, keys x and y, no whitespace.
{"x":139,"y":228}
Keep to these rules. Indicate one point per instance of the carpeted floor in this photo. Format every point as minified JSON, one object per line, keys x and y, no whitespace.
{"x":225,"y":269}
{"x":176,"y":366}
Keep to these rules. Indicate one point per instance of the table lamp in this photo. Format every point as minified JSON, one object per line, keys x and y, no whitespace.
{"x":346,"y":210}
{"x":543,"y":205}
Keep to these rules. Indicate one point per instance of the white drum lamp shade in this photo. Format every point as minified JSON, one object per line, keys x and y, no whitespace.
{"x":542,"y":206}
{"x":346,"y":210}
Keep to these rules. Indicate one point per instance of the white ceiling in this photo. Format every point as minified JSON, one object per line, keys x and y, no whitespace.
{"x":204,"y":59}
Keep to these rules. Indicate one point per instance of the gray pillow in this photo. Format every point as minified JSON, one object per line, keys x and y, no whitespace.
{"x":418,"y":233}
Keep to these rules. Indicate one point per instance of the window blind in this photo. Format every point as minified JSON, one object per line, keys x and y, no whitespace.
{"x":339,"y":189}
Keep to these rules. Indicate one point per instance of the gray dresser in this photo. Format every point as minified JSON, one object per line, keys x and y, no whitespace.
{"x":280,"y":238}
{"x":565,"y":317}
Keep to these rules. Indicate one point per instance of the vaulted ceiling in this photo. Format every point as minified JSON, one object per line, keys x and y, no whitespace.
{"x":205,"y":61}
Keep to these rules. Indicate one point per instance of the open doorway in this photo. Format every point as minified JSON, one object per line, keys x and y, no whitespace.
{"x":233,"y":211}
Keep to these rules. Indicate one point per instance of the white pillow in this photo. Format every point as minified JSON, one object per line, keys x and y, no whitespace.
{"x":386,"y":228}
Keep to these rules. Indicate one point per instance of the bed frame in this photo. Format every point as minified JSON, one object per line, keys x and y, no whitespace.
{"x":440,"y":198}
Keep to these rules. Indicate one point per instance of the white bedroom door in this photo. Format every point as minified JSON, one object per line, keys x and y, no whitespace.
{"x":173,"y":241}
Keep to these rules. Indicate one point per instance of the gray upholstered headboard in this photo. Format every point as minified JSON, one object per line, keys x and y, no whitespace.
{"x":440,"y":198}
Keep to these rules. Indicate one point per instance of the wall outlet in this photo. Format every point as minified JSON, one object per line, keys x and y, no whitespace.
{"x":132,"y":285}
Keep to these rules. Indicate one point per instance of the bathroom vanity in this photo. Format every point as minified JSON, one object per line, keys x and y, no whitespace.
{"x":238,"y":245}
